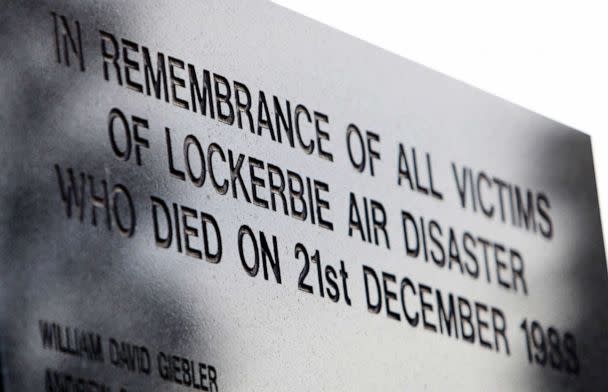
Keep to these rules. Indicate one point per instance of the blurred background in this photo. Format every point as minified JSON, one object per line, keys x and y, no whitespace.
{"x":546,"y":55}
{"x":546,"y":58}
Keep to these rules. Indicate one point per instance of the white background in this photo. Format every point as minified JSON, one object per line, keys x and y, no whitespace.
{"x":548,"y":56}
